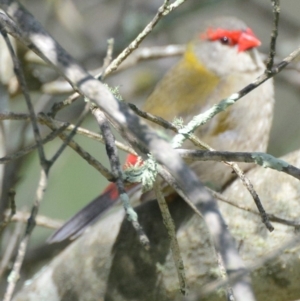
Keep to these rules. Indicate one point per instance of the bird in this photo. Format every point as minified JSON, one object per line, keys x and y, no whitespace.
{"x":218,"y":62}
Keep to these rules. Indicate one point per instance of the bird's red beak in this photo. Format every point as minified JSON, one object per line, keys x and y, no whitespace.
{"x":248,"y":40}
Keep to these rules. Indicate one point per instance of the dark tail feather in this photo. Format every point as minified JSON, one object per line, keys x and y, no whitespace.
{"x":86,"y":216}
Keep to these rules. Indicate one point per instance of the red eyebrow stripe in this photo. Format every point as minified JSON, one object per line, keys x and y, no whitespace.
{"x":216,"y":34}
{"x":245,"y":39}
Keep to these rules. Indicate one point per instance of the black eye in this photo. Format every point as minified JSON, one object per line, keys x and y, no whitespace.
{"x":224,"y":40}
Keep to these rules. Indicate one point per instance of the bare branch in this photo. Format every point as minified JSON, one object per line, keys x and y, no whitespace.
{"x":162,"y":11}
{"x":62,"y":127}
{"x":20,"y":76}
{"x":75,"y":146}
{"x":274,"y":34}
{"x":169,"y":223}
{"x":28,"y":149}
{"x":272,"y":217}
{"x":41,"y":220}
{"x":116,"y":169}
{"x":10,"y":248}
{"x":15,"y":273}
{"x":262,"y":159}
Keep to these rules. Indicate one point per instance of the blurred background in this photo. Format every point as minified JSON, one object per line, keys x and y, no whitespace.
{"x":82,"y":28}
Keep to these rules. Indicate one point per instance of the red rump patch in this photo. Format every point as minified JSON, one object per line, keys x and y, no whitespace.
{"x":111,"y":190}
{"x":131,"y":159}
{"x":245,"y":39}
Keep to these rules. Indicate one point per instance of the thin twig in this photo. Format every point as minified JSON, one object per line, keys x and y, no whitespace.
{"x":70,"y":136}
{"x":272,"y":217}
{"x":163,"y":10}
{"x":109,"y":52}
{"x":61,"y":105}
{"x":169,"y":223}
{"x":26,"y":150}
{"x":172,"y":182}
{"x":21,"y":79}
{"x":62,"y":127}
{"x":79,"y":150}
{"x":116,"y":169}
{"x":274,"y":34}
{"x":172,"y":6}
{"x":13,"y":208}
{"x":15,"y":273}
{"x":150,"y":53}
{"x":11,"y":247}
{"x":98,"y":137}
{"x":14,"y":116}
{"x":153,"y":118}
{"x":247,"y":183}
{"x":223,"y":275}
{"x":263,"y":159}
{"x":39,"y":197}
{"x":41,"y":220}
